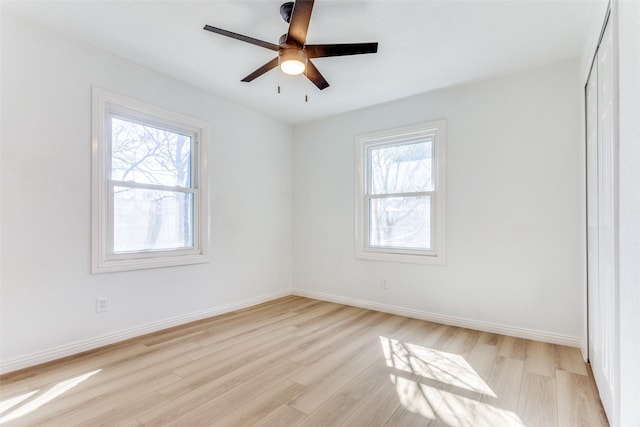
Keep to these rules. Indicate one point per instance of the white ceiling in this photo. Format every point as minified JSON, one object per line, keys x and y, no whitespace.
{"x":423,"y":45}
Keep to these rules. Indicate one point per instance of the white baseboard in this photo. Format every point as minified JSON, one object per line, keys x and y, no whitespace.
{"x":531,"y":334}
{"x":111,"y":338}
{"x":114,"y":337}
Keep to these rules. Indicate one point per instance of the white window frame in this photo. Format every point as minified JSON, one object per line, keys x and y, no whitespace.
{"x":436,"y":132}
{"x":106,"y":105}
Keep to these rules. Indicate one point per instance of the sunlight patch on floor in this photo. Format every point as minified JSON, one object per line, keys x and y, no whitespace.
{"x":443,"y":386}
{"x":7,"y":404}
{"x":44,"y":398}
{"x":413,"y":397}
{"x":447,"y":368}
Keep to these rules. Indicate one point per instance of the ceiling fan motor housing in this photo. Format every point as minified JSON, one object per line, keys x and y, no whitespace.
{"x":285,"y":11}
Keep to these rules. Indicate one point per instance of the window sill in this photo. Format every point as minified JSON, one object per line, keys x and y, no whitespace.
{"x":110,"y":266}
{"x":398,"y":257}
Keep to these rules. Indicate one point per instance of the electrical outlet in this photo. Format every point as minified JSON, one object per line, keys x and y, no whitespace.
{"x":383,"y":284}
{"x":101,"y":305}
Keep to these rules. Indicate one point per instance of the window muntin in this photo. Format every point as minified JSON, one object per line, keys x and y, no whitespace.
{"x":400,"y":206}
{"x":149,"y":185}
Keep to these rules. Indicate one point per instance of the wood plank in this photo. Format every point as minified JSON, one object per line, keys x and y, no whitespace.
{"x":329,"y":383}
{"x":377,"y":408}
{"x":514,"y":348}
{"x":275,"y":396}
{"x":491,"y":339}
{"x":505,"y":379}
{"x":117,"y":410}
{"x":577,"y":406}
{"x":127,"y":423}
{"x":349,"y":398}
{"x":344,"y":340}
{"x":540,"y":359}
{"x":462,"y":342}
{"x":283,"y":416}
{"x":570,"y":359}
{"x":538,"y":404}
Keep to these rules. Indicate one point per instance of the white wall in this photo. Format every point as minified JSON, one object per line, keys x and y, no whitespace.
{"x":47,"y":293}
{"x":515,"y":211}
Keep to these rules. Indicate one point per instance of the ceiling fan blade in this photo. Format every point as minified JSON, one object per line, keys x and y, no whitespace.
{"x":325,"y":50}
{"x":242,"y":38}
{"x":260,"y":71}
{"x":314,"y":75}
{"x":299,"y":23}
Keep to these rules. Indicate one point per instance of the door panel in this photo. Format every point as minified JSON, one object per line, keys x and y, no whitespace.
{"x":592,"y":210}
{"x":601,"y":220}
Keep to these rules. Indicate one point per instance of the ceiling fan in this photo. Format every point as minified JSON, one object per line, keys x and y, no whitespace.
{"x":294,"y":56}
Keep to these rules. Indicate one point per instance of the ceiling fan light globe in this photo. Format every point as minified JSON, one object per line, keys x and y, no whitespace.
{"x":292,"y":67}
{"x":292,"y":61}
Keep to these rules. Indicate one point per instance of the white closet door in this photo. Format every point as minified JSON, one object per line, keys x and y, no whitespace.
{"x":592,"y":212}
{"x":601,"y":214}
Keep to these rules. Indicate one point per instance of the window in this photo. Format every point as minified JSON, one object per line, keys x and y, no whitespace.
{"x":400,"y":198}
{"x":149,"y":193}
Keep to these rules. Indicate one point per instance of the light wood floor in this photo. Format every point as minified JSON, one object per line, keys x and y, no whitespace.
{"x":298,"y":361}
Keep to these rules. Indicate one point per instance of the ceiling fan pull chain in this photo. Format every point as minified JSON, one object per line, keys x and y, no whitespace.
{"x":306,"y":74}
{"x":279,"y":71}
